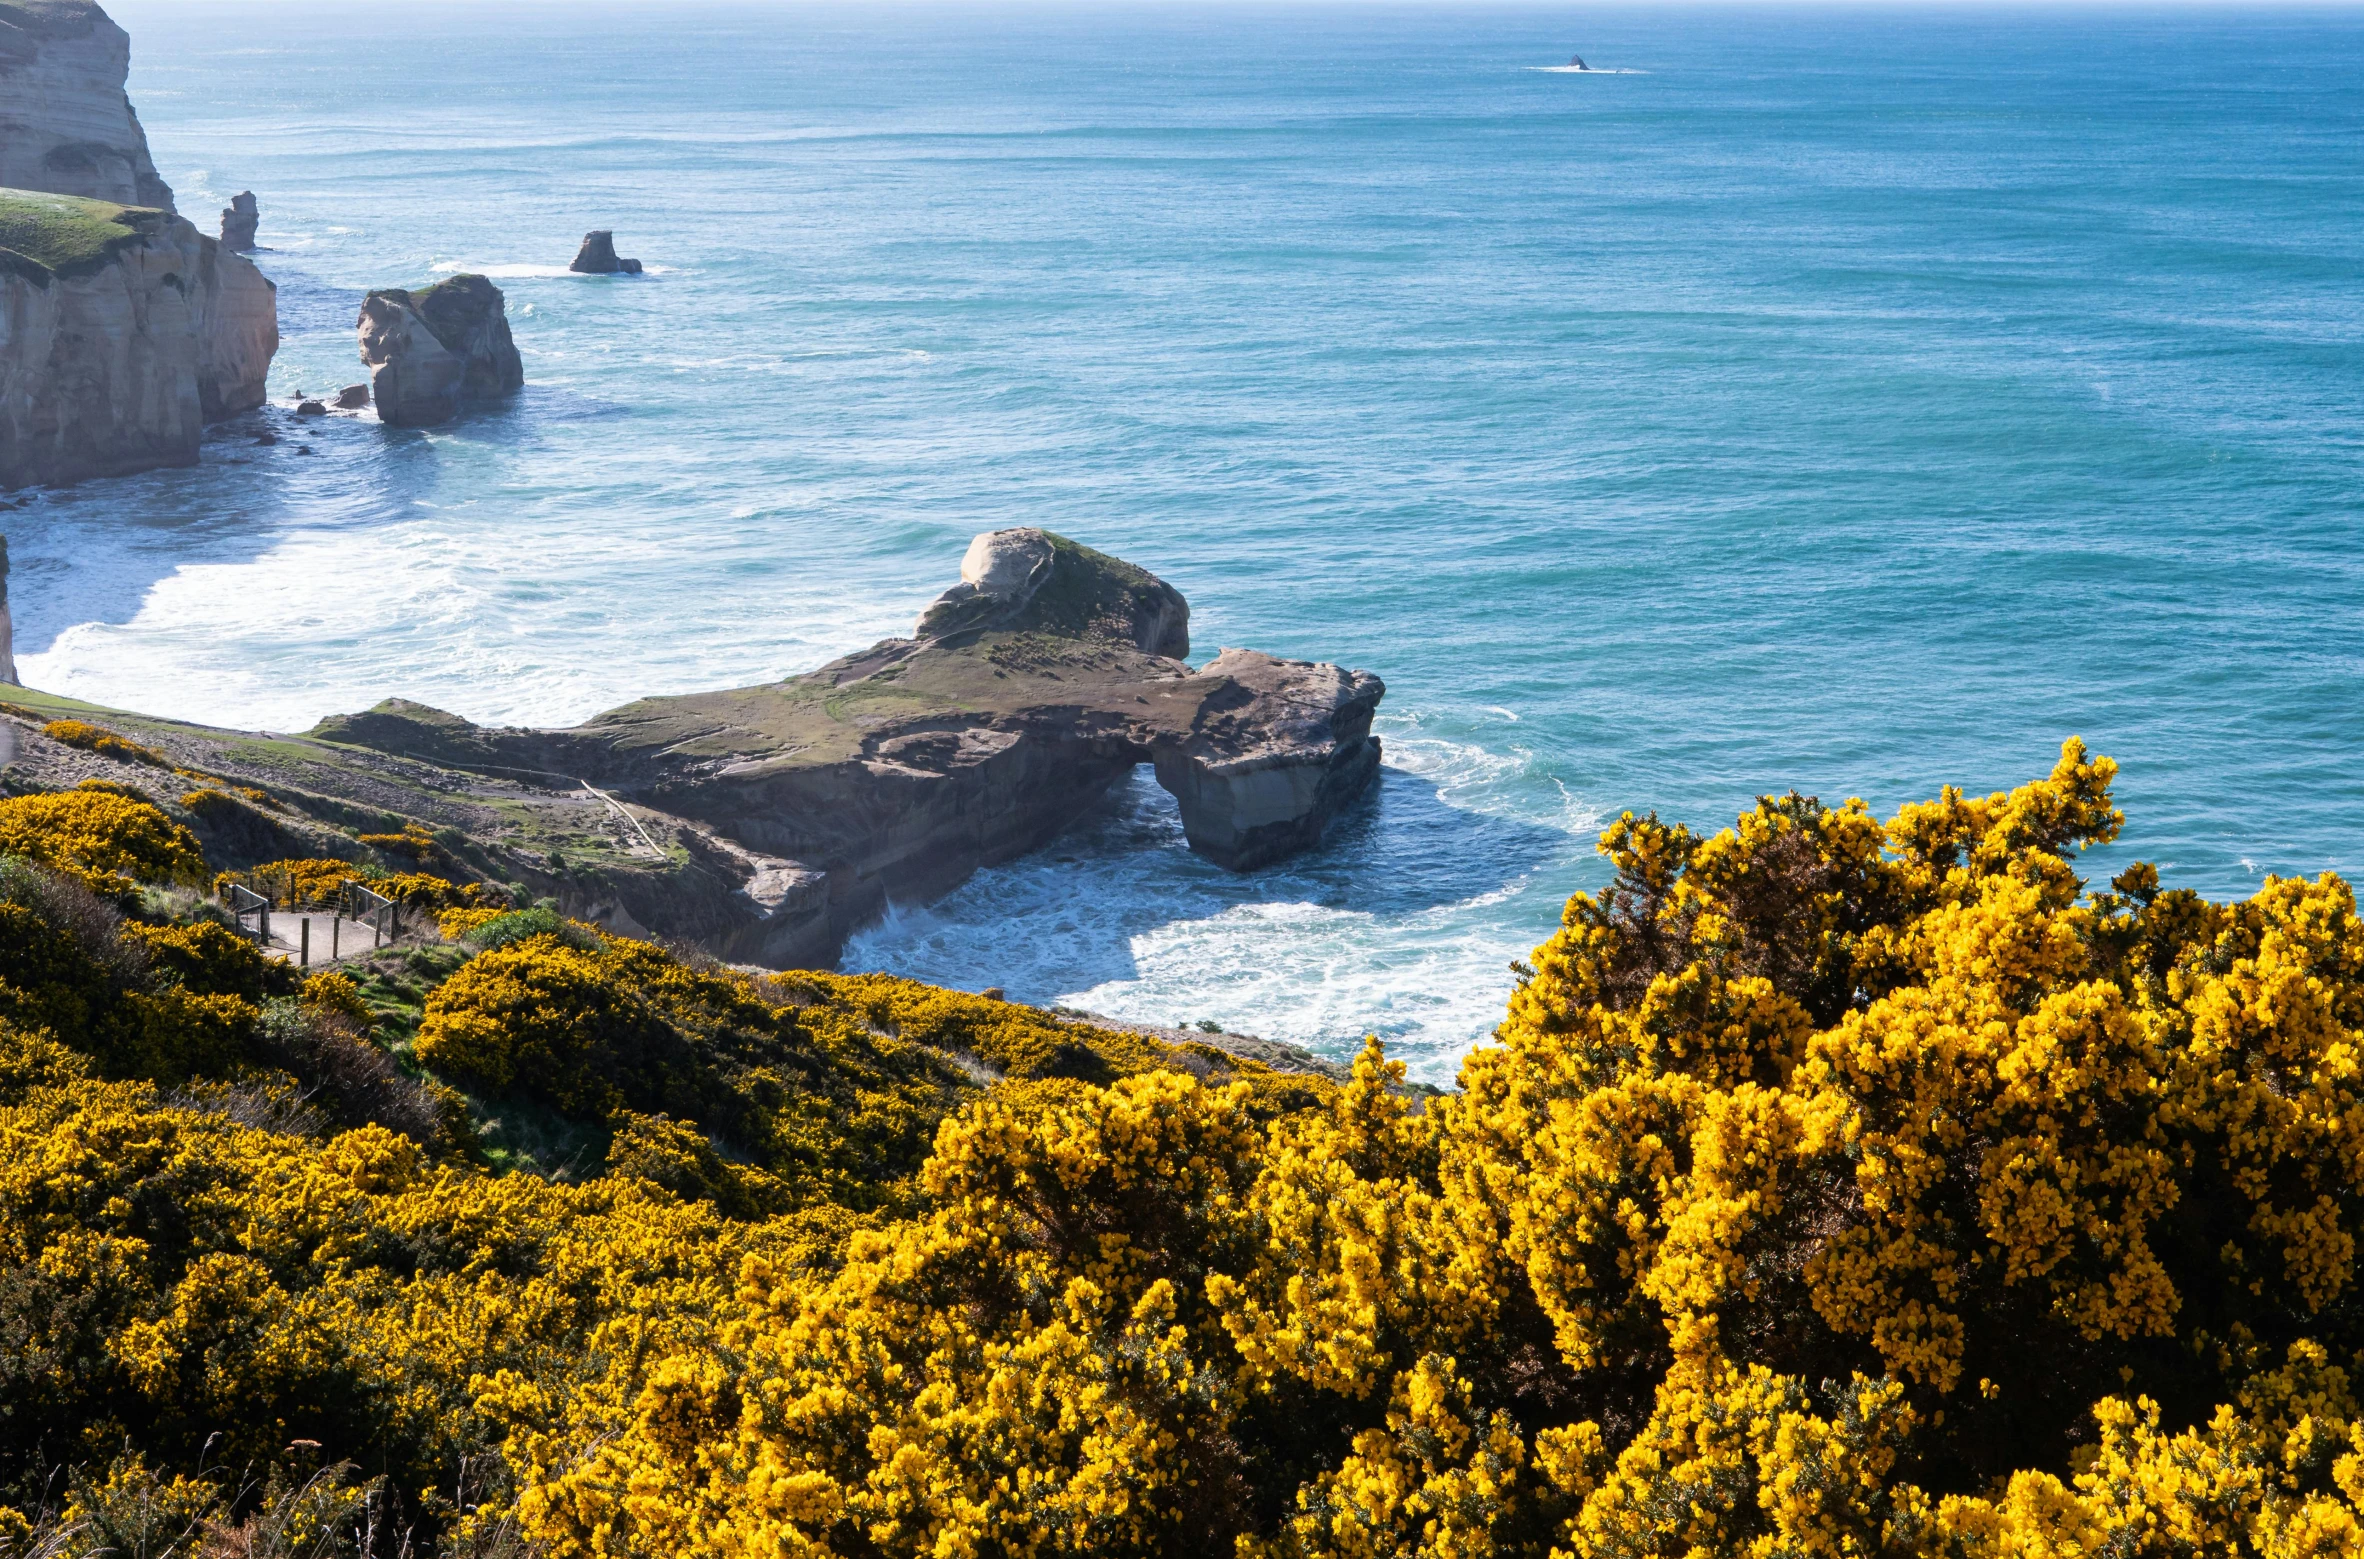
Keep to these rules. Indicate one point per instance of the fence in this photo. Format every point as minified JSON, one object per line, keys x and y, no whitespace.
{"x":381,"y":914}
{"x":252,"y":912}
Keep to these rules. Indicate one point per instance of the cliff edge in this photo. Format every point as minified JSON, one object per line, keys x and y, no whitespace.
{"x":123,"y":330}
{"x":66,"y":125}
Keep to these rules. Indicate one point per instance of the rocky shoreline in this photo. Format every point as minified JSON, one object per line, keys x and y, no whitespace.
{"x":766,"y":824}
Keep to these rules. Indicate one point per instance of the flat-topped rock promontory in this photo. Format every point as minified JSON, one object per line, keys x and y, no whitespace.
{"x":768,"y":823}
{"x":1028,"y":689}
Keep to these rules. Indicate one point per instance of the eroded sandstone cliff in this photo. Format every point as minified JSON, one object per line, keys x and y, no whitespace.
{"x":123,"y":331}
{"x":66,"y":125}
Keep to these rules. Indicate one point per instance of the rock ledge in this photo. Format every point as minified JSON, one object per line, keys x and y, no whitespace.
{"x":1028,"y":690}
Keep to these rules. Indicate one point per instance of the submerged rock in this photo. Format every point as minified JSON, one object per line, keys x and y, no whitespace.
{"x":1032,"y":687}
{"x":598,"y":257}
{"x":238,"y":221}
{"x":434,"y":351}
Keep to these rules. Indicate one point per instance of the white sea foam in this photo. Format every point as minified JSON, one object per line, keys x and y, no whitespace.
{"x":1404,"y":925}
{"x":329,"y":621}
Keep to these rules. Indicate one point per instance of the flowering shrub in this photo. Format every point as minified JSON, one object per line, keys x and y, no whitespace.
{"x":333,"y":991}
{"x":422,"y":890}
{"x":100,"y":837}
{"x":216,"y":801}
{"x":106,"y":743}
{"x":454,"y":924}
{"x":1833,"y":1187}
{"x":318,"y":881}
{"x":293,"y":883}
{"x":413,"y":842}
{"x":605,"y":1028}
{"x":179,"y":1275}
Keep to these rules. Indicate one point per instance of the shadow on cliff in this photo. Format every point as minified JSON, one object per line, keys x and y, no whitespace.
{"x":1067,"y":916}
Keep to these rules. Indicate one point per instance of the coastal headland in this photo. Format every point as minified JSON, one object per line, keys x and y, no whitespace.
{"x":123,"y":330}
{"x":767,"y":823}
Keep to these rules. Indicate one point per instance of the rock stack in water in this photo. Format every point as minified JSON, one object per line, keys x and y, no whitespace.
{"x":598,"y":256}
{"x":238,"y":221}
{"x":123,"y":330}
{"x":432,"y":352}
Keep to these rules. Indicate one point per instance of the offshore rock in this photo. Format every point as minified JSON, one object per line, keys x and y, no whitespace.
{"x":238,"y":221}
{"x":66,"y":126}
{"x":1033,"y":687}
{"x":598,"y":257}
{"x":123,"y":331}
{"x":434,"y":351}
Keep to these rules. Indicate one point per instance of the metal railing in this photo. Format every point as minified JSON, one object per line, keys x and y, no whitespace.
{"x":252,"y":913}
{"x":381,"y":914}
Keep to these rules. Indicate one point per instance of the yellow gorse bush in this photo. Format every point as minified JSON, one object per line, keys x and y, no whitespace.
{"x":106,"y":743}
{"x":100,"y":837}
{"x":1833,"y":1187}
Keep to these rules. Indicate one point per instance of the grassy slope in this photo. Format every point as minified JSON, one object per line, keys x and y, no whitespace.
{"x":65,"y":235}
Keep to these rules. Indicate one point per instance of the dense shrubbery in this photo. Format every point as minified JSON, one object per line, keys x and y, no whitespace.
{"x":101,"y":837}
{"x":107,"y":744}
{"x":1831,"y":1188}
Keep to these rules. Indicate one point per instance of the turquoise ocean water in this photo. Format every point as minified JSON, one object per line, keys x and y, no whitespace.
{"x":1849,"y":400}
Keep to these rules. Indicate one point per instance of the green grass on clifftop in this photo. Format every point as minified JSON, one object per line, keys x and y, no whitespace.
{"x":66,"y":235}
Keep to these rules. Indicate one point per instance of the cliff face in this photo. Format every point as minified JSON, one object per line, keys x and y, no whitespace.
{"x":122,"y":329}
{"x":237,"y":331}
{"x":122,"y":333}
{"x":66,"y":125}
